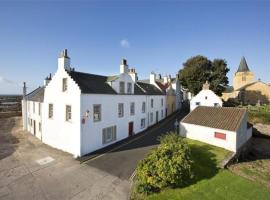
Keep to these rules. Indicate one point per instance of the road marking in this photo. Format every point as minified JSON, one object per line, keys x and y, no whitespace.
{"x":135,"y":139}
{"x":44,"y":161}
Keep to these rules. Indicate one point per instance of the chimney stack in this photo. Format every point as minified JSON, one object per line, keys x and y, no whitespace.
{"x":64,"y":61}
{"x":152,"y":78}
{"x":123,"y":66}
{"x":24,"y":90}
{"x":133,"y":74}
{"x":206,"y":86}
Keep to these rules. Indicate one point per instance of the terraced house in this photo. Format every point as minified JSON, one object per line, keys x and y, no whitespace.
{"x":80,"y":112}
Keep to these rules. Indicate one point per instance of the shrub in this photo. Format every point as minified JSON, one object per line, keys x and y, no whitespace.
{"x":168,"y":165}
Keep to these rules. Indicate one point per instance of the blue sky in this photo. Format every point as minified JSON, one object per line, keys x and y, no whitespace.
{"x":153,"y":35}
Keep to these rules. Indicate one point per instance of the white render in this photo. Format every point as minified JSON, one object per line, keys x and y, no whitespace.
{"x":81,"y":135}
{"x":234,"y":139}
{"x":205,"y":98}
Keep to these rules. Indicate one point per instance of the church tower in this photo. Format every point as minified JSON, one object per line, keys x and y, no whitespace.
{"x":243,"y":76}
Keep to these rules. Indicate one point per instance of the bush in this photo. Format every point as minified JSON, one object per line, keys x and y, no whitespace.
{"x":168,"y":165}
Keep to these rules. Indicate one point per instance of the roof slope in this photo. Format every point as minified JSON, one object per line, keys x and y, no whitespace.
{"x":91,"y":83}
{"x":97,"y":84}
{"x":36,"y":95}
{"x":149,"y":89}
{"x":220,"y":118}
{"x":243,"y":67}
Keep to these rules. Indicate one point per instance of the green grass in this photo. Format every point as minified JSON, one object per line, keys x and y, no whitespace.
{"x":210,"y":182}
{"x":259,"y":117}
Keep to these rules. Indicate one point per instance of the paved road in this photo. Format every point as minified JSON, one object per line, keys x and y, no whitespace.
{"x":122,"y":161}
{"x":32,"y":170}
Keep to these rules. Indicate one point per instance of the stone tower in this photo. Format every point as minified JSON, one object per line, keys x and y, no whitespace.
{"x":243,"y":76}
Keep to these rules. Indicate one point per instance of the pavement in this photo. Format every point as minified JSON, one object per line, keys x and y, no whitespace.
{"x":30,"y":169}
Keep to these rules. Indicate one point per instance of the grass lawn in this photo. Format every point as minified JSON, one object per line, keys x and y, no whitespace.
{"x":210,"y":182}
{"x":259,"y":117}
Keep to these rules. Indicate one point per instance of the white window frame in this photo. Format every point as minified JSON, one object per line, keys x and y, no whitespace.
{"x":151,"y":117}
{"x":68,"y":113}
{"x":143,"y":106}
{"x":122,"y":87}
{"x":64,"y":84}
{"x":143,"y":123}
{"x":109,"y":134}
{"x":50,"y":111}
{"x":129,"y":88}
{"x":96,"y":116}
{"x":120,"y":110}
{"x":132,"y":108}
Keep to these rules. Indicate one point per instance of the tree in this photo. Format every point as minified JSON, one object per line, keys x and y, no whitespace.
{"x":199,"y":69}
{"x":169,"y":165}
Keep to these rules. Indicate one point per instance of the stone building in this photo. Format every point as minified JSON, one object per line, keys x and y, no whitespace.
{"x":246,"y":89}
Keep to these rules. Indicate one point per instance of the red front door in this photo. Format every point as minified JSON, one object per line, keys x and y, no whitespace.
{"x":130,"y":128}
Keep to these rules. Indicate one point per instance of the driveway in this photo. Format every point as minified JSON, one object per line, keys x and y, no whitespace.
{"x":32,"y":170}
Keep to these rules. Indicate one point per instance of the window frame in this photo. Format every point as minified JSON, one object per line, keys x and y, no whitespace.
{"x":97,"y":120}
{"x":151,"y":117}
{"x":129,"y":88}
{"x":50,"y":111}
{"x":152,"y":103}
{"x":143,"y":124}
{"x":64,"y":85}
{"x":132,"y":108}
{"x":122,"y":89}
{"x":120,"y":114}
{"x":68,"y":113}
{"x":113,"y":134}
{"x":143,"y":107}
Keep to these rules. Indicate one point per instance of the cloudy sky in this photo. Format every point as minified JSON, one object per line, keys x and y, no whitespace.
{"x":152,"y":36}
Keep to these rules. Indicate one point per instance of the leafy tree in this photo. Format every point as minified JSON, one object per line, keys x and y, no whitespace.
{"x":169,"y":165}
{"x":199,"y":69}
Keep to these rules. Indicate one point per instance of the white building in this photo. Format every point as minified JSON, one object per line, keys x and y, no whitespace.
{"x":205,"y":97}
{"x":223,"y":127}
{"x":80,"y":112}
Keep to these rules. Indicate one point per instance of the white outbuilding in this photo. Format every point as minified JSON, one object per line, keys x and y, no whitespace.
{"x":205,"y":97}
{"x":223,"y":127}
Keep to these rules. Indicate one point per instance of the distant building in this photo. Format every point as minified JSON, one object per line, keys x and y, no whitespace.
{"x":245,"y":89}
{"x":79,"y":112}
{"x":223,"y":127}
{"x":169,"y":86}
{"x":205,"y":97}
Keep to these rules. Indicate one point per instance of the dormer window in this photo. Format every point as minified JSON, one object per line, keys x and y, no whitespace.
{"x":122,"y":87}
{"x":129,"y":88}
{"x":64,"y":84}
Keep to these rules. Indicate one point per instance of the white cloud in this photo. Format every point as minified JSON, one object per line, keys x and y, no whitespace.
{"x":124,"y":43}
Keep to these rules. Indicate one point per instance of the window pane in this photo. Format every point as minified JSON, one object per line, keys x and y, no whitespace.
{"x":97,"y":113}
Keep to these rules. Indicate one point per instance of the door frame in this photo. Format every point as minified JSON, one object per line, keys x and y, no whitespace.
{"x":130,"y":128}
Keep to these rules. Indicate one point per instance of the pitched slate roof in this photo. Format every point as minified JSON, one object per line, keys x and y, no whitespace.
{"x":36,"y":95}
{"x":91,"y":83}
{"x":149,"y":89}
{"x":243,"y":67}
{"x":97,"y":84}
{"x":224,"y":118}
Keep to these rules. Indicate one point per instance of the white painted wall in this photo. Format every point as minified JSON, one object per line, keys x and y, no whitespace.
{"x":35,"y":117}
{"x":205,"y":98}
{"x":92,"y":131}
{"x":57,"y":132}
{"x":207,"y":135}
{"x":124,"y":77}
{"x":243,"y":133}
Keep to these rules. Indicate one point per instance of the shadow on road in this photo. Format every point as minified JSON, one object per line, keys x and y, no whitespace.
{"x":121,"y":159}
{"x":8,"y":142}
